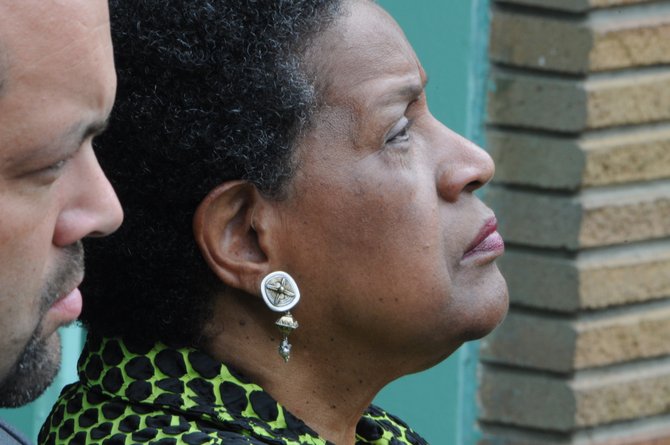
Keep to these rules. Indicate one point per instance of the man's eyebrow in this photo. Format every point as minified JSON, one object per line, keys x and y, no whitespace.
{"x":78,"y":133}
{"x":69,"y":142}
{"x":94,"y":129}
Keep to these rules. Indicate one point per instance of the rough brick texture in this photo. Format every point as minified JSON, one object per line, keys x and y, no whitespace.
{"x":569,"y":105}
{"x":580,"y":46}
{"x":589,"y":280}
{"x":566,"y":345}
{"x":579,"y":127}
{"x":568,"y":163}
{"x":574,"y":5}
{"x":561,"y":404}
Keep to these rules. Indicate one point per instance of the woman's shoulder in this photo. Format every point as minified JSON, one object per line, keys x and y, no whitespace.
{"x":379,"y":427}
{"x":85,"y":416}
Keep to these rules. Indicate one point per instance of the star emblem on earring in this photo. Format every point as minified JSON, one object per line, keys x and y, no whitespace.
{"x":281,"y":294}
{"x":280,"y":291}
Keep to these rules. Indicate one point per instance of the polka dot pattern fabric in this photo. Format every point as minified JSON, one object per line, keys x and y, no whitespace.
{"x":130,"y":393}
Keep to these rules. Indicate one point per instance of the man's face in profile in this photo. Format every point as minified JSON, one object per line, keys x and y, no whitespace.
{"x":57,"y":89}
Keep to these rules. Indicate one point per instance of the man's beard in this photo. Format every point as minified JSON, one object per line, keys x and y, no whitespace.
{"x":38,"y":364}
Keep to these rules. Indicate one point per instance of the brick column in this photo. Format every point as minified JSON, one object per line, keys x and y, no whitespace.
{"x":579,"y":126}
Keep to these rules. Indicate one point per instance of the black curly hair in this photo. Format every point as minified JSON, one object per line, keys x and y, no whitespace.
{"x":209,"y":91}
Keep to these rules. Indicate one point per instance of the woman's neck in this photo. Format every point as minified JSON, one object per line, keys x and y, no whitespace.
{"x":327,"y":384}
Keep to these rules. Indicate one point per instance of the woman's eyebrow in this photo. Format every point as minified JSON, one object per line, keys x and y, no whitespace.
{"x":408,"y":90}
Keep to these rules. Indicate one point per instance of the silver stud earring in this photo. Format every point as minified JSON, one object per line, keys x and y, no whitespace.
{"x":281,"y":294}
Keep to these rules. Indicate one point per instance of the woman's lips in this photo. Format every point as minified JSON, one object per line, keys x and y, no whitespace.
{"x":488,"y":243}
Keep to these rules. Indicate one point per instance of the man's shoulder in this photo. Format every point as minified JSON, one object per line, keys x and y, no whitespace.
{"x":9,"y":436}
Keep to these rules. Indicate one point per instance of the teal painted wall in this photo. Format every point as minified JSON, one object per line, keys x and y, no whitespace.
{"x":449,"y":38}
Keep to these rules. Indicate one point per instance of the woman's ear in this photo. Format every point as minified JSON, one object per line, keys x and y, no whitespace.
{"x":224,"y":226}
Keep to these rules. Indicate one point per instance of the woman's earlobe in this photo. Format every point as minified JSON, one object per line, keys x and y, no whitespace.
{"x":224,"y":228}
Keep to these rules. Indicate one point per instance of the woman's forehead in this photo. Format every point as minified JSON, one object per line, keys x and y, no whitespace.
{"x":363,"y":46}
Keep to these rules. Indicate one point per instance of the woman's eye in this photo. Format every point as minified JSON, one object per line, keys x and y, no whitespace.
{"x":400,"y":132}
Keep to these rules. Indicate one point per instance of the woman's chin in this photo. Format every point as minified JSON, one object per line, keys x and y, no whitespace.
{"x":484,"y":306}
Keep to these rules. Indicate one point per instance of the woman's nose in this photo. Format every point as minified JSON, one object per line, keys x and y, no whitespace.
{"x":463,"y":167}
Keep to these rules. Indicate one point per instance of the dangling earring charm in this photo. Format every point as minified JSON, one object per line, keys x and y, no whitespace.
{"x":281,"y":294}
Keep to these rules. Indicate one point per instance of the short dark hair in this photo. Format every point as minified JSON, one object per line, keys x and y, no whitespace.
{"x":209,"y":91}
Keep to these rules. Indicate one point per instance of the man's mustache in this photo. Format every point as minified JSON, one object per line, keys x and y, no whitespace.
{"x":66,"y":276}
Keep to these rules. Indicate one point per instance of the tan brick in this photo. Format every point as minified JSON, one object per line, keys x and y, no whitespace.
{"x":573,"y":105}
{"x":628,"y":99}
{"x":626,"y":156}
{"x":588,"y":399}
{"x":645,"y":431}
{"x":526,"y":100}
{"x":650,"y":431}
{"x":622,"y":216}
{"x":569,"y":163}
{"x":527,"y":399}
{"x":630,"y":336}
{"x":596,"y":217}
{"x":536,"y":219}
{"x":540,"y":42}
{"x":574,"y":5}
{"x":610,"y":396}
{"x":590,"y":280}
{"x":639,"y":44}
{"x":543,"y":281}
{"x":537,"y":160}
{"x":501,"y":435}
{"x":611,"y":42}
{"x":532,"y":341}
{"x":565,"y":345}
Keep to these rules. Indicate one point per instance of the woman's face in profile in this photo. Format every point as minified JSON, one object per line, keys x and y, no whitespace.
{"x":389,"y":245}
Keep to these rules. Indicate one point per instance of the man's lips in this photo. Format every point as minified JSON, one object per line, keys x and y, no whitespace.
{"x":487,"y":242}
{"x":66,"y":308}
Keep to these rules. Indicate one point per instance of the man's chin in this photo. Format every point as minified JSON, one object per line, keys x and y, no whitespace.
{"x":33,"y":373}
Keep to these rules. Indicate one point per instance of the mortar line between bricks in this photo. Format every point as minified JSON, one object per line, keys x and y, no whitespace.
{"x":657,"y":188}
{"x":621,"y":75}
{"x":559,"y":76}
{"x":605,"y":316}
{"x":543,"y":251}
{"x":622,"y":253}
{"x":541,"y":12}
{"x":621,"y":373}
{"x":634,"y":13}
{"x":617,"y":193}
{"x":567,"y":135}
{"x":613,"y":315}
{"x":604,"y":434}
{"x":544,"y":314}
{"x":533,"y":131}
{"x":518,"y":370}
{"x":609,"y":16}
{"x":649,"y":131}
{"x":500,"y":429}
{"x":599,"y":376}
{"x":654,"y":426}
{"x":523,"y":188}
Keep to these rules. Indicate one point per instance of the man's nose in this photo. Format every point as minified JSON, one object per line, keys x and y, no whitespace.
{"x":90,"y":205}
